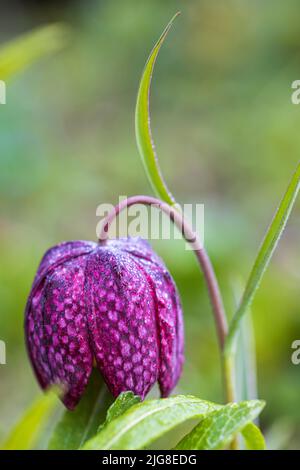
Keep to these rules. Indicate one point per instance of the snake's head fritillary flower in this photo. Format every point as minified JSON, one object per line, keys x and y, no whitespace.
{"x":114,"y":304}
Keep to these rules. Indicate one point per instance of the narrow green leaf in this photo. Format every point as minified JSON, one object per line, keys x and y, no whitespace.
{"x":143,"y":133}
{"x":264,"y":255}
{"x":246,"y":362}
{"x":75,"y":427}
{"x":253,"y":437}
{"x":246,"y":375}
{"x":124,"y":401}
{"x":27,"y":431}
{"x":21,"y":52}
{"x":145,"y":422}
{"x":218,"y":429}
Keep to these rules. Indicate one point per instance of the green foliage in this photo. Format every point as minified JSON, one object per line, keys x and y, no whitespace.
{"x":243,"y":120}
{"x":265,"y":254}
{"x":246,"y":376}
{"x":123,"y":402}
{"x":253,"y":438}
{"x":19,"y":53}
{"x":132,"y":424}
{"x":145,"y":422}
{"x":142,"y":125}
{"x":75,"y":427}
{"x":221,"y":426}
{"x":28,"y":430}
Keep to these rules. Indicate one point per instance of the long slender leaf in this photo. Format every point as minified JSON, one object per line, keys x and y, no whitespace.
{"x":246,"y":375}
{"x":21,"y":52}
{"x":264,"y":255}
{"x":218,"y":429}
{"x":142,"y":125}
{"x":147,"y":421}
{"x":75,"y":427}
{"x":253,"y":437}
{"x":246,"y":362}
{"x":27,"y":431}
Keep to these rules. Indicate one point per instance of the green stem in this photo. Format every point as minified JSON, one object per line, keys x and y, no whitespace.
{"x":228,"y":363}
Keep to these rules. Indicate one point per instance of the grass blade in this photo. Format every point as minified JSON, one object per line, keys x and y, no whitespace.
{"x":21,"y":52}
{"x":264,"y":255}
{"x":143,"y":128}
{"x":27,"y":431}
{"x":246,"y":371}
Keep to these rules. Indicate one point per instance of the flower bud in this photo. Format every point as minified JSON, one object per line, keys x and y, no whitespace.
{"x":114,"y":304}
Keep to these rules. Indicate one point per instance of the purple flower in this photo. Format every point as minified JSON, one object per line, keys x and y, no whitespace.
{"x":112,"y":303}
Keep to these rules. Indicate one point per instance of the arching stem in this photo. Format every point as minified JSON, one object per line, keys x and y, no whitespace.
{"x":192,"y":238}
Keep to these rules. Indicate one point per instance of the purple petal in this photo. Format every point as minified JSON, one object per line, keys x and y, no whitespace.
{"x":170,"y":324}
{"x":35,"y":335}
{"x":137,"y":246}
{"x":62,"y":252}
{"x":121,"y":319}
{"x":65,"y":330}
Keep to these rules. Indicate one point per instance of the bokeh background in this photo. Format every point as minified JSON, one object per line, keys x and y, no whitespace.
{"x":227,"y":135}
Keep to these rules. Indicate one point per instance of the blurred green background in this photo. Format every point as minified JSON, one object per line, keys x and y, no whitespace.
{"x":227,"y":135}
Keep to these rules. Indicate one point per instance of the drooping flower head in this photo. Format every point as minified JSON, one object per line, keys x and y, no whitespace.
{"x":113,"y":303}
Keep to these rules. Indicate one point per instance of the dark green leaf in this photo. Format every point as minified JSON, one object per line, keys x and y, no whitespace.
{"x":147,"y":421}
{"x":218,"y":429}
